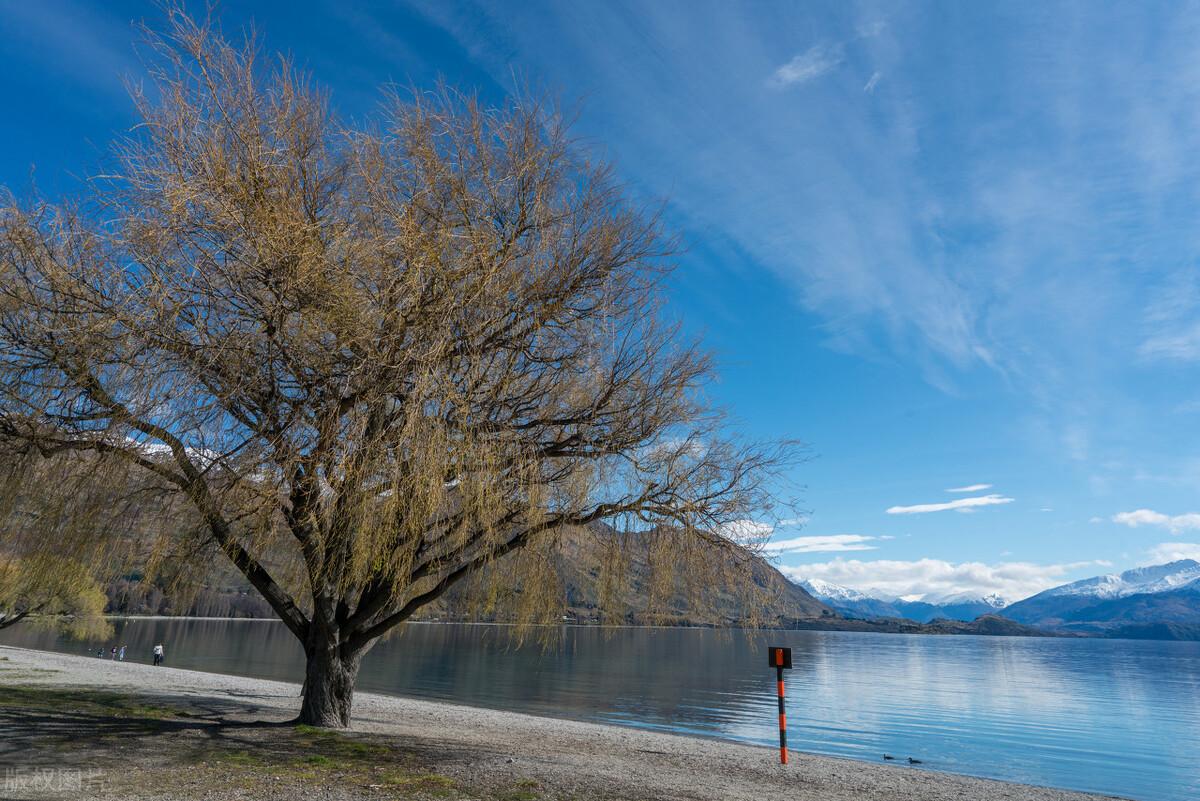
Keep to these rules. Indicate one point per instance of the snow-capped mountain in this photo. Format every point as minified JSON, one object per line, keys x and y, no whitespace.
{"x":1126,"y":603}
{"x":1158,"y":578}
{"x":853,"y":603}
{"x":849,"y":602}
{"x":1157,"y":602}
{"x":992,"y":599}
{"x":831,"y":592}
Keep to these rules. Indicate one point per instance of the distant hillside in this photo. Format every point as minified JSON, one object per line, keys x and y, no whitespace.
{"x":578,"y":565}
{"x":578,"y":562}
{"x":1156,"y":631}
{"x":1159,"y":602}
{"x":984,"y":625}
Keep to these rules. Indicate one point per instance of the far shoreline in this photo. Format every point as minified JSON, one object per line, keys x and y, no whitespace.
{"x":847,"y":625}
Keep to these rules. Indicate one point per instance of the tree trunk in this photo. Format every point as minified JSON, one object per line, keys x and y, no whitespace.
{"x":328,"y":685}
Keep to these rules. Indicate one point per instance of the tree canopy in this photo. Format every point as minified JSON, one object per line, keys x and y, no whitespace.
{"x":55,"y":591}
{"x":366,"y":360}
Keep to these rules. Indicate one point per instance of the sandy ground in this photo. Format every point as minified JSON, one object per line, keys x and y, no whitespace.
{"x":76,"y":727}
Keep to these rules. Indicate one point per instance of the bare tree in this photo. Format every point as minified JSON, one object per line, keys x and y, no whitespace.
{"x":372,"y":360}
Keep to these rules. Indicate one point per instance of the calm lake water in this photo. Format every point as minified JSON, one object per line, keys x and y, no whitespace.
{"x":1112,"y":716}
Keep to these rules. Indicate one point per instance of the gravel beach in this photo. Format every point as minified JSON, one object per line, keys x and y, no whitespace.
{"x":480,"y":753}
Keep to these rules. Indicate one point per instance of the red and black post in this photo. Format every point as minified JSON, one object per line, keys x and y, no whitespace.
{"x":781,"y":659}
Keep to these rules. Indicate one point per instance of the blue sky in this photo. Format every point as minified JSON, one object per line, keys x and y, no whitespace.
{"x":946,"y":244}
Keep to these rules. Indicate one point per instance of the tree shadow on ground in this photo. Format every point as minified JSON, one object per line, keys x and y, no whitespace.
{"x":191,"y":736}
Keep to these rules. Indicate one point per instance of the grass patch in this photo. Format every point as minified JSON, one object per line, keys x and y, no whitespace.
{"x":322,"y":757}
{"x":241,"y":759}
{"x":405,"y":783}
{"x":101,"y":703}
{"x":318,"y":760}
{"x":525,"y":790}
{"x":220,"y":755}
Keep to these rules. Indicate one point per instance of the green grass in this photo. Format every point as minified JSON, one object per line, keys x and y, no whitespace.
{"x":101,"y":703}
{"x":317,"y":756}
{"x":242,"y":757}
{"x":524,"y":790}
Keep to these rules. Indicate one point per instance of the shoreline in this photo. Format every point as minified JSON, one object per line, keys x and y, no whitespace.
{"x":887,"y":626}
{"x":470,"y":745}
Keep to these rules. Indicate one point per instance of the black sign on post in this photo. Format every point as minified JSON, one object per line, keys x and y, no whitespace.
{"x":781,"y":660}
{"x":780,"y":657}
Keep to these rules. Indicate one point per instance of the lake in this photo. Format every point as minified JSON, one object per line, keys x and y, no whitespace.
{"x":1111,"y":716}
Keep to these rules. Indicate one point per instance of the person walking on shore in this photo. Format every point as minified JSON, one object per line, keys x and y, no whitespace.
{"x":114,"y":653}
{"x":121,"y":654}
{"x":158,"y":655}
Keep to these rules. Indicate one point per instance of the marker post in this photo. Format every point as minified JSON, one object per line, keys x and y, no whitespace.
{"x":781,"y":659}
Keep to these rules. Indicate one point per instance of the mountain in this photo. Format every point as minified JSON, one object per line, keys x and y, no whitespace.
{"x":852,"y":603}
{"x":848,"y":602}
{"x":1158,"y":602}
{"x":1157,"y":578}
{"x":578,"y":564}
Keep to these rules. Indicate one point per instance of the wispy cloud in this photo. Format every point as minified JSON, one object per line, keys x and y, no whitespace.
{"x":991,"y":238}
{"x":822,"y":544}
{"x":809,"y":65}
{"x":872,"y":82}
{"x":1176,"y":524}
{"x":746,"y":532}
{"x":961,"y":504}
{"x":1182,"y":344}
{"x":1172,"y":552}
{"x":90,"y":44}
{"x":934,"y":577}
{"x":971,"y":488}
{"x":1172,"y":319}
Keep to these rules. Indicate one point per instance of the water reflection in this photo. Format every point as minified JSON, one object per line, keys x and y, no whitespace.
{"x":1112,"y":716}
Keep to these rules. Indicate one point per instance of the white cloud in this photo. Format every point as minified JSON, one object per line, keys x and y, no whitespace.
{"x":873,"y":82}
{"x":746,"y":532}
{"x":962,"y":504}
{"x":1176,"y":524}
{"x":809,"y":65}
{"x":793,"y":522}
{"x":822,"y":544}
{"x":936,"y":578}
{"x":971,"y":488}
{"x":1173,"y":552}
